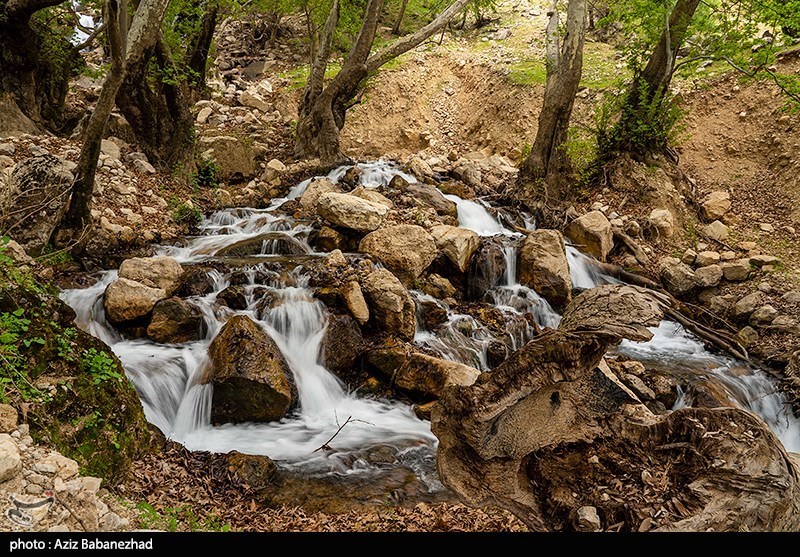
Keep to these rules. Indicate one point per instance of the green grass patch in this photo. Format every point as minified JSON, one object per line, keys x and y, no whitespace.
{"x":528,"y":73}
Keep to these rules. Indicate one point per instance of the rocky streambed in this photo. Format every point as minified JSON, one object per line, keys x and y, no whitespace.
{"x":321,"y":331}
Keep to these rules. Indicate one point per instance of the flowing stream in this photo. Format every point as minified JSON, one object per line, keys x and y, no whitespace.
{"x":167,"y":376}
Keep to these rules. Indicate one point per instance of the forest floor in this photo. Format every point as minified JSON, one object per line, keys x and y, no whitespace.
{"x":481,"y":90}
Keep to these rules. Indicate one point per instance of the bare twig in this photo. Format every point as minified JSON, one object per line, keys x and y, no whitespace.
{"x":326,"y":445}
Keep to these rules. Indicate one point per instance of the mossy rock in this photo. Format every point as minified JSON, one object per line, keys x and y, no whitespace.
{"x":76,"y":395}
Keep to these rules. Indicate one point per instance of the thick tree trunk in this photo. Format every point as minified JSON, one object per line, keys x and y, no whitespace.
{"x":544,"y":172}
{"x":157,"y":111}
{"x":38,"y":88}
{"x":546,"y":433}
{"x":323,"y":113}
{"x":198,"y":53}
{"x":78,"y":216}
{"x":323,"y":110}
{"x":399,"y":20}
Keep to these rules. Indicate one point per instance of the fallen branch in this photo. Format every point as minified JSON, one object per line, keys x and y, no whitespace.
{"x":631,"y":244}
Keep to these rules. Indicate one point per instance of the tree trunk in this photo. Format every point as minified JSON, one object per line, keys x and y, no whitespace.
{"x":653,"y":82}
{"x":544,"y":173}
{"x":323,"y":110}
{"x":554,"y":421}
{"x":198,"y":53}
{"x":145,"y":25}
{"x":399,"y":20}
{"x":78,"y":216}
{"x":158,"y":111}
{"x":37,"y":86}
{"x":323,"y":113}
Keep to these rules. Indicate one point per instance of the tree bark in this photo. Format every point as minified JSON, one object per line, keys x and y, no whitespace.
{"x":652,"y":83}
{"x":37,"y":90}
{"x":399,"y":20}
{"x":145,"y":24}
{"x":323,"y":110}
{"x":198,"y":53}
{"x":544,"y":172}
{"x":157,"y":110}
{"x":78,"y":216}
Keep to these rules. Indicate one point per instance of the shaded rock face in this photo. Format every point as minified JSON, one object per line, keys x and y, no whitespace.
{"x":175,"y":321}
{"x":543,"y":266}
{"x":35,"y":200}
{"x":676,"y":276}
{"x":349,"y":211}
{"x":342,"y":345}
{"x":235,"y":158}
{"x":252,"y":381}
{"x":195,"y":282}
{"x":593,"y":232}
{"x":405,"y":249}
{"x":458,"y":244}
{"x":390,"y":304}
{"x":551,"y":422}
{"x":269,"y":242}
{"x":485,"y":271}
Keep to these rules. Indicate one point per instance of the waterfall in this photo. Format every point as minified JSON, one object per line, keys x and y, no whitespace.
{"x":167,"y":377}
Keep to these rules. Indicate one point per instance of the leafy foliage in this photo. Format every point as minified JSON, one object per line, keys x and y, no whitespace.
{"x":100,"y":365}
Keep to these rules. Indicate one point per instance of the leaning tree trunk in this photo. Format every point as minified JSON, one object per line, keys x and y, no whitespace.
{"x":37,"y":85}
{"x":158,"y":111}
{"x":323,"y":109}
{"x":544,"y":173}
{"x":198,"y":52}
{"x":145,"y":26}
{"x":652,"y":83}
{"x":77,"y":216}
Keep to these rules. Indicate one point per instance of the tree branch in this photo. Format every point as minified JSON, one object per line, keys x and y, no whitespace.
{"x":90,"y":39}
{"x":405,"y":44}
{"x":16,"y":9}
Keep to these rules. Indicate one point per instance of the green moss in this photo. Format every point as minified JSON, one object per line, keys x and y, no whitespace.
{"x":73,"y":388}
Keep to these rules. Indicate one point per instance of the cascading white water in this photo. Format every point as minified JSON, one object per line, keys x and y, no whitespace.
{"x":167,"y":376}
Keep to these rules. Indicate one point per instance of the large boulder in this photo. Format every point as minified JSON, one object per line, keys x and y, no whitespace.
{"x":547,"y":432}
{"x":233,"y":156}
{"x":543,"y":266}
{"x":10,"y":460}
{"x":128,"y":300}
{"x":592,"y":232}
{"x":715,"y":205}
{"x":252,"y":381}
{"x":677,"y":276}
{"x":175,"y":321}
{"x":422,"y":376}
{"x":341,"y":345}
{"x":13,"y":121}
{"x":486,"y":270}
{"x":315,"y":189}
{"x":391,"y":306}
{"x":156,"y":272}
{"x":349,"y":211}
{"x":34,"y":201}
{"x":458,"y":244}
{"x":406,"y":249}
